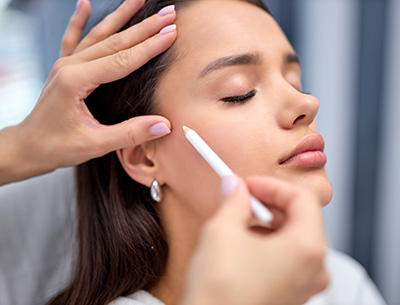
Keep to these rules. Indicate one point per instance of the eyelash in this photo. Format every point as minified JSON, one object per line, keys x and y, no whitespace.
{"x":241,"y":98}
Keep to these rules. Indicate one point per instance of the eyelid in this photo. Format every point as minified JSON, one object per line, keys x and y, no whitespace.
{"x":240,"y":98}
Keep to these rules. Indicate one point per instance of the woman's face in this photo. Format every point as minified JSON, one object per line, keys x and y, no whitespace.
{"x":236,"y":81}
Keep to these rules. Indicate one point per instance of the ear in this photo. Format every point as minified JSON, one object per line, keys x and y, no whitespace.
{"x":138,"y":163}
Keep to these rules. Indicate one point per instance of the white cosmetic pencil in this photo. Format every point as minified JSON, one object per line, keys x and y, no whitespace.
{"x":259,"y":210}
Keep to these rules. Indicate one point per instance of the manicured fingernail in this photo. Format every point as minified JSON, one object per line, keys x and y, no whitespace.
{"x":160,"y":129}
{"x":166,"y":10}
{"x":228,"y":184}
{"x":167,"y":29}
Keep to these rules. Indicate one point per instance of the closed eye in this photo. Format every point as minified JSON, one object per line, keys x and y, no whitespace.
{"x":241,"y":98}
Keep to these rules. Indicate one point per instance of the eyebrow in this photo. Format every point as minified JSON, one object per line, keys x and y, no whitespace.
{"x":235,"y":60}
{"x":292,"y":58}
{"x":243,"y":59}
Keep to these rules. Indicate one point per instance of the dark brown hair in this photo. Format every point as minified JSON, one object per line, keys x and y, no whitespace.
{"x":121,"y":244}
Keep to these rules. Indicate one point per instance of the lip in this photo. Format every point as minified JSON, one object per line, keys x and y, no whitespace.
{"x":308,"y":153}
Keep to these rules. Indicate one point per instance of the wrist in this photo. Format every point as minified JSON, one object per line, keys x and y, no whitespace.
{"x":17,"y":156}
{"x":9,"y":151}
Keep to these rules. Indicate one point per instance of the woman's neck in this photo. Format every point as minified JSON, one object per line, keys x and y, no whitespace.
{"x":182,"y":234}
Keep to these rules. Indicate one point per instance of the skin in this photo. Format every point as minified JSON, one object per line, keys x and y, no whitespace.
{"x":285,"y":267}
{"x":61,"y":131}
{"x":77,"y":73}
{"x":251,"y":137}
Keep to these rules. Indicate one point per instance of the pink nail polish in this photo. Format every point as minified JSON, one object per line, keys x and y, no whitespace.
{"x":168,"y":29}
{"x":159,"y":129}
{"x":228,"y":184}
{"x":166,"y":10}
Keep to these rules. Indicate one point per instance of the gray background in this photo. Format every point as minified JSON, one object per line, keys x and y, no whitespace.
{"x":349,"y":55}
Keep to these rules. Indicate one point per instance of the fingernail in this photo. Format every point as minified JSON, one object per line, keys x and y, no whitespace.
{"x":166,"y":10}
{"x":167,"y":29}
{"x":78,"y":3}
{"x":159,"y":129}
{"x":228,"y":184}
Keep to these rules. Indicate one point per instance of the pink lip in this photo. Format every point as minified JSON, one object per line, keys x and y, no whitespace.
{"x":308,"y":153}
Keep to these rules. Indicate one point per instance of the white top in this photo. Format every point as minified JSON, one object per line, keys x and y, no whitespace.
{"x":349,"y":285}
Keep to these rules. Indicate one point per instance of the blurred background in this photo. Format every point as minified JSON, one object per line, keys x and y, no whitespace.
{"x":349,"y":52}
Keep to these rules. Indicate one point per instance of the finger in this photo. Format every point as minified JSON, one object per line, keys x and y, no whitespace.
{"x":235,"y":206}
{"x":111,"y":24}
{"x":113,"y":67}
{"x":300,"y":206}
{"x":73,"y":33}
{"x":126,"y":39}
{"x":131,"y":132}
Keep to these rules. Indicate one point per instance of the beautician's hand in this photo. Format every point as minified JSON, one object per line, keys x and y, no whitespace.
{"x":60,"y":131}
{"x":236,"y":265}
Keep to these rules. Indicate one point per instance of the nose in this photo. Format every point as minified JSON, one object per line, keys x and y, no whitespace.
{"x":299,"y":109}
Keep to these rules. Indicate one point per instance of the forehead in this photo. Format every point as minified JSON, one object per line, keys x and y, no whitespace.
{"x":209,"y":29}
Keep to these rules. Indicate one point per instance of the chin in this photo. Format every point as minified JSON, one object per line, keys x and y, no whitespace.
{"x":317,"y":182}
{"x":322,"y":187}
{"x":324,"y":193}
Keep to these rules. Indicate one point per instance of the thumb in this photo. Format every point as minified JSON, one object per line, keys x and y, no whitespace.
{"x":235,"y":206}
{"x":134,"y":132}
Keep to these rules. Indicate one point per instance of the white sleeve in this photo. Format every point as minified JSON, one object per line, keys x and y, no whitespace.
{"x":349,"y":284}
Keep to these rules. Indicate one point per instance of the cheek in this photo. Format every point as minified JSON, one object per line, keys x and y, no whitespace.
{"x":189,"y":180}
{"x":248,"y":147}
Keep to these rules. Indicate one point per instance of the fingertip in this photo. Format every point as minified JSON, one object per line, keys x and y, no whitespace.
{"x":146,"y":128}
{"x":235,"y":206}
{"x":159,"y":129}
{"x":78,"y":4}
{"x":228,"y":184}
{"x":168,"y":29}
{"x":82,"y":13}
{"x":167,"y":10}
{"x":233,"y":186}
{"x":82,"y":5}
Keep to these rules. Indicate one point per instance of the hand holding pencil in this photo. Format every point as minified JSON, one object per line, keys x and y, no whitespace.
{"x":281,"y":268}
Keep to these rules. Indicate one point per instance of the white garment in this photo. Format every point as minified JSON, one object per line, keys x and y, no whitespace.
{"x":349,"y":285}
{"x":138,"y":298}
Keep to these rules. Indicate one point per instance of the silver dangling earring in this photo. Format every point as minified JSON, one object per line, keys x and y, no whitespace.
{"x":155,"y":191}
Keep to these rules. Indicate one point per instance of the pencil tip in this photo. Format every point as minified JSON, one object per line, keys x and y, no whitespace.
{"x":185,"y":129}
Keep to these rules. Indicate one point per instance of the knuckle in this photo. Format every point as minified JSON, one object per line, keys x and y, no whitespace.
{"x":60,"y":63}
{"x":114,"y":42}
{"x":67,"y":42}
{"x":146,"y":27}
{"x":324,"y":281}
{"x":132,"y":137}
{"x":145,"y":51}
{"x":315,"y":256}
{"x":64,"y":78}
{"x":97,"y":33}
{"x":123,"y":58}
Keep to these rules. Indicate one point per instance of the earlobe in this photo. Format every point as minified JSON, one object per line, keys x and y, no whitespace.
{"x":137,"y":164}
